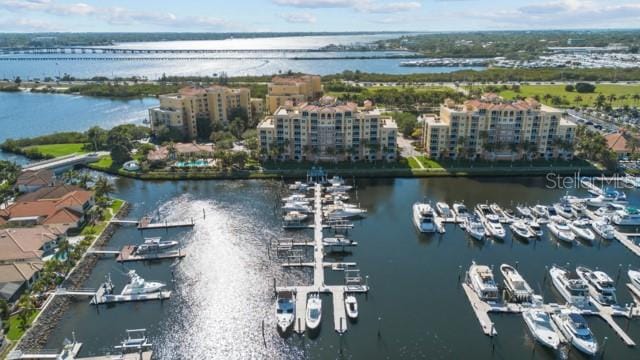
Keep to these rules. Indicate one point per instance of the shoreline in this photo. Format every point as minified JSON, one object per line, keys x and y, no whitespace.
{"x":37,"y":335}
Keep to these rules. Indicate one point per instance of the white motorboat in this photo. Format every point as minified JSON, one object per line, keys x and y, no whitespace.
{"x":137,"y":285}
{"x":493,"y":227}
{"x":551,"y":212}
{"x":336,"y":180}
{"x":564,"y":209}
{"x":561,"y":230}
{"x":482,"y":281}
{"x":314,"y":311}
{"x":631,"y":180}
{"x":517,"y":287}
{"x":285,"y":309}
{"x":473,"y":226}
{"x":298,"y":206}
{"x":541,"y":327}
{"x":351,"y":304}
{"x":155,"y":245}
{"x":578,"y":209}
{"x":333,"y":197}
{"x":601,"y":287}
{"x":604,"y":229}
{"x":296,"y":198}
{"x":627,"y":216}
{"x":497,"y":210}
{"x":524,"y":211}
{"x":340,"y":210}
{"x":575,"y":329}
{"x":424,"y":217}
{"x":299,"y":186}
{"x":534,"y":227}
{"x":573,"y":289}
{"x":521,"y":229}
{"x":482,"y":210}
{"x":338,"y":188}
{"x":539,"y":211}
{"x":580,"y":227}
{"x":634,"y":276}
{"x":443,"y":209}
{"x":294,"y":216}
{"x":338,"y":240}
{"x":609,"y":196}
{"x":460,"y":210}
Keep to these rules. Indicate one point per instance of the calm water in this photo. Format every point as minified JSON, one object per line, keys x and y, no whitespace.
{"x":24,"y":114}
{"x":223,"y":288}
{"x":153,"y":66}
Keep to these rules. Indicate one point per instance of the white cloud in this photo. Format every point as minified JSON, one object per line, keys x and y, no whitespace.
{"x":28,"y":25}
{"x":114,"y":15}
{"x":368,"y":6}
{"x":299,"y":18}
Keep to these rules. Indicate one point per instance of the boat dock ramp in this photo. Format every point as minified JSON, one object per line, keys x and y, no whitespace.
{"x":482,"y":309}
{"x":295,"y":257}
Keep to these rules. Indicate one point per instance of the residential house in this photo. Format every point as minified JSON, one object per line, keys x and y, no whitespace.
{"x":621,"y":143}
{"x":29,"y":181}
{"x":68,"y":210}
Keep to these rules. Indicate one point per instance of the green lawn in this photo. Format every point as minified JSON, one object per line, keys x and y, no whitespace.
{"x":104,"y":163}
{"x":587,"y":99}
{"x":58,"y":149}
{"x":15,"y":326}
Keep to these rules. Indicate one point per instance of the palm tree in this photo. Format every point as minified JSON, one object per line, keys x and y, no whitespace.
{"x":635,"y":98}
{"x":26,"y":305}
{"x":83,"y":179}
{"x":103,"y":187}
{"x":600,"y":100}
{"x":460,"y":145}
{"x":578,"y":99}
{"x":63,"y":249}
{"x":611,"y":98}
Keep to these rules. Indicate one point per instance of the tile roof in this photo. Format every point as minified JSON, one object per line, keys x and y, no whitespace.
{"x":49,"y":192}
{"x":617,"y":142}
{"x":47,"y":208}
{"x":26,"y":243}
{"x":41,"y":177}
{"x":19,"y":272}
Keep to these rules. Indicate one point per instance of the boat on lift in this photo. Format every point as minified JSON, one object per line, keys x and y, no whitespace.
{"x":351,"y":305}
{"x":285,"y":309}
{"x":338,"y":240}
{"x":297,"y":206}
{"x":424,"y":217}
{"x":296,"y":198}
{"x":572,"y":288}
{"x":601,"y":287}
{"x":482,"y":210}
{"x":578,"y":209}
{"x":340,"y":210}
{"x":517,"y":287}
{"x":482,"y":282}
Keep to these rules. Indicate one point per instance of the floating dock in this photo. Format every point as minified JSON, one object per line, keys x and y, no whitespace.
{"x":318,"y":264}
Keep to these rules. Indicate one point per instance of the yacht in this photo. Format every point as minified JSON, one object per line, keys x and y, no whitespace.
{"x":483,"y":210}
{"x":561,"y":230}
{"x":580,"y":227}
{"x":482,"y":282}
{"x":340,"y":210}
{"x":299,"y":186}
{"x":297,"y":206}
{"x":524,"y":211}
{"x":138,"y":285}
{"x":564,"y":209}
{"x":516,"y":285}
{"x":443,"y":209}
{"x":578,"y":209}
{"x":295,"y":216}
{"x":334,"y":188}
{"x":575,"y":329}
{"x":573,"y":289}
{"x":314,"y":311}
{"x":335,"y":180}
{"x":608,"y":197}
{"x":473,"y":226}
{"x":534,"y":227}
{"x":551,"y":212}
{"x":497,"y":210}
{"x":285,"y":309}
{"x":424,"y":217}
{"x":493,"y":227}
{"x":634,"y":276}
{"x":338,"y":240}
{"x":460,"y":210}
{"x":155,"y":245}
{"x":296,"y":198}
{"x":521,"y":229}
{"x":601,"y":287}
{"x":602,"y":228}
{"x":351,"y":304}
{"x":627,"y":216}
{"x":541,"y":327}
{"x":539,"y":211}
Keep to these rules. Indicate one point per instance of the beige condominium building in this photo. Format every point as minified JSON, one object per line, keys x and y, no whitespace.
{"x":292,"y":89}
{"x":494,"y":128}
{"x":328,"y":130}
{"x":215,"y":103}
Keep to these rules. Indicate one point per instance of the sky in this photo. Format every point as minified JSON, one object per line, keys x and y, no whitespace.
{"x":313,"y":15}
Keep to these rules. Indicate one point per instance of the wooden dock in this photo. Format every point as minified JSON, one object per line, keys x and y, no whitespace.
{"x":318,"y":264}
{"x":128,"y":253}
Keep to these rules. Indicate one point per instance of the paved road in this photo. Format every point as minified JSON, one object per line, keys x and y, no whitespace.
{"x":406,"y":148}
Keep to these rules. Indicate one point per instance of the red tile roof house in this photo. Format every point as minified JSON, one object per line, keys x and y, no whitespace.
{"x":67,"y":210}
{"x":29,"y":181}
{"x":21,"y":252}
{"x":618,"y":143}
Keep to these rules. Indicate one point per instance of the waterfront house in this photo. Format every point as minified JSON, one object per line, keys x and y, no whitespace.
{"x":17,"y":277}
{"x":620,"y":142}
{"x":29,"y":243}
{"x":29,"y":181}
{"x":68,"y":210}
{"x":177,"y":151}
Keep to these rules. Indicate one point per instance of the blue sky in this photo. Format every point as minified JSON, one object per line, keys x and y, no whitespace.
{"x":313,"y":15}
